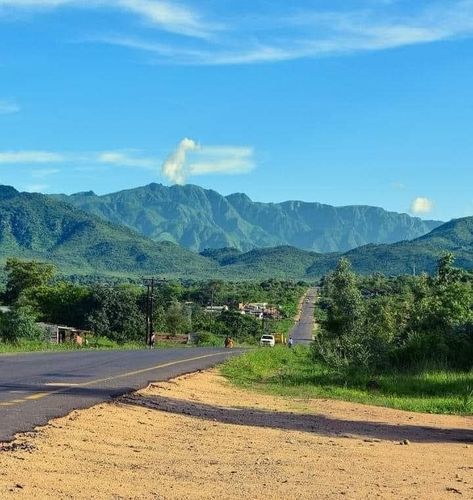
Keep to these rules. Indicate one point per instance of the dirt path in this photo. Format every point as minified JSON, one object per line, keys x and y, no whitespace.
{"x":199,"y":437}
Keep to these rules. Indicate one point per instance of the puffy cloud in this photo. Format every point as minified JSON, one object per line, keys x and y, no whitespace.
{"x":174,"y":168}
{"x":421,"y":206}
{"x":208,"y":160}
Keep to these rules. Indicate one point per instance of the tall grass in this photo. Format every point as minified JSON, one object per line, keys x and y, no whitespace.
{"x":291,"y":372}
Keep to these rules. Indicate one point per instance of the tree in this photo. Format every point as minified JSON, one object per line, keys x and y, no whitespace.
{"x":177,"y":318}
{"x":239,"y":326}
{"x":116,"y":313}
{"x":24,"y":275}
{"x":345,"y":313}
{"x":445,"y":270}
{"x":19,"y":323}
{"x":62,"y":303}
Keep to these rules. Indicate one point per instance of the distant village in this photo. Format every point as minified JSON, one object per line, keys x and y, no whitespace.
{"x":258,"y":310}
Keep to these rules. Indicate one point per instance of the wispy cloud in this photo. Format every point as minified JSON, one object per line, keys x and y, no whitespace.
{"x":16,"y":157}
{"x":222,"y":160}
{"x":126,"y":159}
{"x":189,"y":159}
{"x":282,"y":31}
{"x":312,"y":34}
{"x":192,"y":159}
{"x":8,"y":107}
{"x":166,"y":15}
{"x":422,"y":206}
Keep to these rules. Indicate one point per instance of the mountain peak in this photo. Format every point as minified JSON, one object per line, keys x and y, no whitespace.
{"x":239,"y":198}
{"x":7,"y":192}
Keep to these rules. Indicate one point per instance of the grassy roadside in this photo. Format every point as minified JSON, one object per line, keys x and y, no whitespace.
{"x":26,"y":346}
{"x":292,"y":373}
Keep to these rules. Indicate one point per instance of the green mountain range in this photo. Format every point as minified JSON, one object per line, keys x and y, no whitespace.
{"x":198,"y":219}
{"x":35,"y":226}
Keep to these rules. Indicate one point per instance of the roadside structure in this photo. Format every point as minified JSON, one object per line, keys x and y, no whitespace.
{"x":58,"y":334}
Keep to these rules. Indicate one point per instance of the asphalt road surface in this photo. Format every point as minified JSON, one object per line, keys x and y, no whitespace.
{"x":303,"y":330}
{"x":37,"y":387}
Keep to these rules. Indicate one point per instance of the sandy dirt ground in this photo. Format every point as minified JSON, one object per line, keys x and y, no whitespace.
{"x":200,"y":437}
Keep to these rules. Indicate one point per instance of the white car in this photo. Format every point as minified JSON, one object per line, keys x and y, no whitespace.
{"x":267,"y":341}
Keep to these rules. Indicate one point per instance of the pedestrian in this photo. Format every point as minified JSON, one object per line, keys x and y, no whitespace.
{"x":152,"y":341}
{"x":290,"y":342}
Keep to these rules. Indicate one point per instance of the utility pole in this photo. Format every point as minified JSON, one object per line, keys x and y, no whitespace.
{"x":150,"y":284}
{"x":211,"y":310}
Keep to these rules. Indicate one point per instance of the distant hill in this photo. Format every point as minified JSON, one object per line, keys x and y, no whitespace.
{"x":201,"y":219}
{"x":419,"y":255}
{"x":37,"y":226}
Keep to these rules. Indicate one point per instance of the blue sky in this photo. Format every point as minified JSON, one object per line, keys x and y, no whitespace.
{"x":343,"y":102}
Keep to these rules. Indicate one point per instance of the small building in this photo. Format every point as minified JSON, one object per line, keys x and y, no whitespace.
{"x":58,"y":334}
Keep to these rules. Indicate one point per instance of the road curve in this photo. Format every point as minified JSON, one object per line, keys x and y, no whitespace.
{"x":37,"y":387}
{"x":303,"y":330}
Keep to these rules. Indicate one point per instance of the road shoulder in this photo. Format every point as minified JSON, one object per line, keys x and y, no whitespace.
{"x":197,"y":436}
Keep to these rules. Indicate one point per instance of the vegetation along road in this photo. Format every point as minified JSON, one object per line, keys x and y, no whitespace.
{"x":303,"y":330}
{"x":37,"y":387}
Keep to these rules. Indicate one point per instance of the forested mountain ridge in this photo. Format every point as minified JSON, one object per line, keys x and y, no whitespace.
{"x":35,"y":226}
{"x":200,"y":219}
{"x":419,"y":255}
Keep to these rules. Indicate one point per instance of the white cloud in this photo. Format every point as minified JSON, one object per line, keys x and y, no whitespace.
{"x":8,"y":107}
{"x":177,"y":168}
{"x":167,"y":15}
{"x":267,"y":37}
{"x":313,"y":34}
{"x":125,"y":159}
{"x":14,"y":157}
{"x":208,"y":160}
{"x":422,"y":206}
{"x":174,"y":168}
{"x":223,"y":160}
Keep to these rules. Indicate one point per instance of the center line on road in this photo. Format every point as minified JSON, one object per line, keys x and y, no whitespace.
{"x":38,"y":395}
{"x":64,"y":386}
{"x":61,"y":384}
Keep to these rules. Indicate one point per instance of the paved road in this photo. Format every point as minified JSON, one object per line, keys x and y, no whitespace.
{"x":304,"y":329}
{"x":37,"y":387}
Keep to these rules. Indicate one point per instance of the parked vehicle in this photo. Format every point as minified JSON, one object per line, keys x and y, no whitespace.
{"x":267,"y":341}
